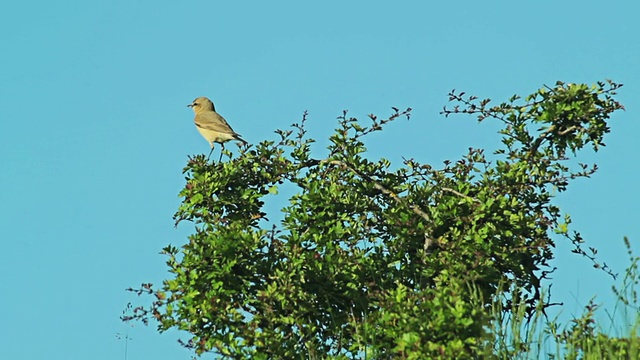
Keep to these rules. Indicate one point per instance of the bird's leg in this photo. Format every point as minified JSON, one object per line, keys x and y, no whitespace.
{"x":221,"y":151}
{"x":210,"y":152}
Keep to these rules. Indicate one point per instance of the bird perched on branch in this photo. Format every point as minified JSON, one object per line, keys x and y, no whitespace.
{"x":213,"y":127}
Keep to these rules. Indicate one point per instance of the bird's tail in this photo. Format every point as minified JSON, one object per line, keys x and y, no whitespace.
{"x":237,"y":137}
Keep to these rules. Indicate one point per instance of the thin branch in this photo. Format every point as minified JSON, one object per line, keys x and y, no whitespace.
{"x":540,"y":139}
{"x":416,"y":209}
{"x":428,"y":241}
{"x":460,"y":194}
{"x":567,"y":130}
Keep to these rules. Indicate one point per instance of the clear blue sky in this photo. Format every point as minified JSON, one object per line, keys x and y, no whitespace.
{"x":94,"y":129}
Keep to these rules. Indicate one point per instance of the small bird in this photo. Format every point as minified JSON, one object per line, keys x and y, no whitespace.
{"x":213,"y":127}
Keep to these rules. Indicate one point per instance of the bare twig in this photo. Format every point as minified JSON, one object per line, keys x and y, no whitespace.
{"x":460,"y":194}
{"x":540,"y":139}
{"x":415,"y":208}
{"x":567,"y":130}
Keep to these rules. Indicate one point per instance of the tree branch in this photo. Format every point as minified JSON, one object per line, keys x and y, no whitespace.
{"x":460,"y":194}
{"x":415,"y":208}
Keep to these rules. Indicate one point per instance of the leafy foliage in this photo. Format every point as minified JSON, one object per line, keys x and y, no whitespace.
{"x":371,"y":261}
{"x":517,"y":335}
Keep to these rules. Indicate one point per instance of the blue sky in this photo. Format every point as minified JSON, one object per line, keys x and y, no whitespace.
{"x":94,"y":129}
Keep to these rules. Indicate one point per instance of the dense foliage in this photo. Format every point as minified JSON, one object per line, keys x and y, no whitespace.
{"x":371,"y":260}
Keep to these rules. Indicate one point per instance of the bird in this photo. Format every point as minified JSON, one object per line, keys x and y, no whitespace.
{"x":213,"y":127}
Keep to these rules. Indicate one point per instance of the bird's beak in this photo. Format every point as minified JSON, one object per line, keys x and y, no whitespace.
{"x":190,"y":105}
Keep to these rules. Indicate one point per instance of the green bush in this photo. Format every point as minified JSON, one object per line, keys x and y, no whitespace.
{"x":375,"y":261}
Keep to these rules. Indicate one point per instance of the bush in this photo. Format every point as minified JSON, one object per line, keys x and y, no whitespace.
{"x":371,"y":261}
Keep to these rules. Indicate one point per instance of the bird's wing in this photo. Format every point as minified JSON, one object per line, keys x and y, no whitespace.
{"x":211,"y":120}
